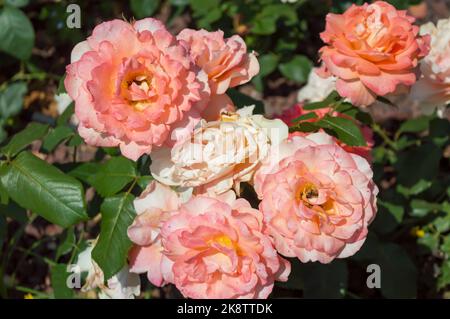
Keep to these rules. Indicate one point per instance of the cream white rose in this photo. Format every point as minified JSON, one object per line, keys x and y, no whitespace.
{"x":433,"y":88}
{"x":220,"y":154}
{"x":317,"y":88}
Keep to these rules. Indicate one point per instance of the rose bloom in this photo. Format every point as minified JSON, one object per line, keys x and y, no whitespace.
{"x":226,"y":61}
{"x":133,"y":84}
{"x":317,"y":199}
{"x":218,"y":249}
{"x":371,"y":49}
{"x":433,"y":89}
{"x":290,"y":114}
{"x":153,"y":207}
{"x":317,"y":88}
{"x":220,"y":154}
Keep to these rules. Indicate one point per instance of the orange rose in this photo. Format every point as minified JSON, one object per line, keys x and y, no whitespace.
{"x":372,"y":49}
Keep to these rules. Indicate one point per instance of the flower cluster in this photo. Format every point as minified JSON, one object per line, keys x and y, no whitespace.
{"x":138,"y":87}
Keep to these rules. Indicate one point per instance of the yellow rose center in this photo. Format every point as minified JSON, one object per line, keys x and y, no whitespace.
{"x":229,"y":117}
{"x":307,"y":192}
{"x":136,"y":88}
{"x":226,"y":241}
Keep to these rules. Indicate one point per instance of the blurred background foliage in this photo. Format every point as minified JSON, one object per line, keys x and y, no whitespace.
{"x":409,"y":239}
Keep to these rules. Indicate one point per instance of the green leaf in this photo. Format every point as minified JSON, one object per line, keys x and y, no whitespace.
{"x":143,"y":181}
{"x":429,"y":243}
{"x":324,"y":281}
{"x":33,"y":131}
{"x":396,"y":210}
{"x":61,"y":86}
{"x":111,"y":250}
{"x":265,"y":22}
{"x":352,"y":111}
{"x":444,"y":277}
{"x":344,"y":129}
{"x":390,"y":212}
{"x":17,"y":3}
{"x":426,"y":168}
{"x":4,"y":198}
{"x":45,"y":190}
{"x":144,"y":8}
{"x":330,"y":100}
{"x":66,"y":115}
{"x":85,"y":171}
{"x":439,"y":128}
{"x":385,"y":222}
{"x":202,"y":7}
{"x":384,"y":100}
{"x":11,"y":100}
{"x":369,"y":251}
{"x":179,"y":2}
{"x":75,"y":140}
{"x":415,"y":125}
{"x":267,"y":63}
{"x":67,"y":244}
{"x":240,"y":100}
{"x":304,"y":117}
{"x":416,"y":189}
{"x":445,"y":247}
{"x":15,"y":212}
{"x":59,"y":275}
{"x":113,"y":176}
{"x":442,"y":224}
{"x":296,"y":69}
{"x":206,"y":12}
{"x":112,"y":151}
{"x":304,"y":127}
{"x":16,"y":33}
{"x":56,"y":137}
{"x":421,"y":207}
{"x":398,"y":272}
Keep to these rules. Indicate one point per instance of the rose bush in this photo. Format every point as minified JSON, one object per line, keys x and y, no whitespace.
{"x":159,"y":166}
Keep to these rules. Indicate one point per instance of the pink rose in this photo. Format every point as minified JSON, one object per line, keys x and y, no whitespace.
{"x":317,"y":199}
{"x":218,"y":249}
{"x":153,"y":208}
{"x":371,"y":49}
{"x":133,"y":85}
{"x":290,"y":114}
{"x":225,"y":61}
